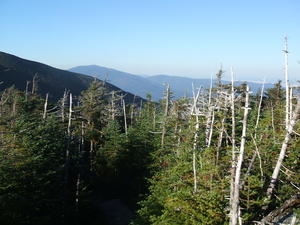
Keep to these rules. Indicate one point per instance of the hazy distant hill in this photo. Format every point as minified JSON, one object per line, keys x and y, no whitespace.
{"x":180,"y":86}
{"x":17,"y":71}
{"x":183,"y":85}
{"x":134,"y":84}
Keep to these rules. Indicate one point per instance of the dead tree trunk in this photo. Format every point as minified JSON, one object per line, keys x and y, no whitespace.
{"x":235,"y":211}
{"x":221,"y":131}
{"x":291,"y":103}
{"x":112,"y":105}
{"x":63,"y":103}
{"x":282,"y":152}
{"x":287,"y":88}
{"x":45,"y":106}
{"x":124,"y":112}
{"x":91,"y":159}
{"x":34,"y":84}
{"x":154,"y":119}
{"x":26,"y":91}
{"x":273,"y":124}
{"x":194,"y":155}
{"x":67,"y":163}
{"x":164,"y":122}
{"x":233,"y":155}
{"x":210,"y":119}
{"x":211,"y":128}
{"x":254,"y":141}
{"x":81,"y":148}
{"x":194,"y":111}
{"x":259,"y":106}
{"x":209,"y":125}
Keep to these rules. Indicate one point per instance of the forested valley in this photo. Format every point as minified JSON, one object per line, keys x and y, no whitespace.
{"x":225,"y":156}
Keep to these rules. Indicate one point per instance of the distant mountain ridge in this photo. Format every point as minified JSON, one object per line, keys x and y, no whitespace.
{"x":17,"y":71}
{"x":134,"y":84}
{"x":142,"y":85}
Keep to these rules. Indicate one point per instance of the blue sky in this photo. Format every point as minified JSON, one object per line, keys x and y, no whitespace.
{"x":188,"y":38}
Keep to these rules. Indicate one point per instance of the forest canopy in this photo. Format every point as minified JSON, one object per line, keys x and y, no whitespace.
{"x":210,"y":159}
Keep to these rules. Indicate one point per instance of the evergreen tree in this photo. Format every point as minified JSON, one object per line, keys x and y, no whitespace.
{"x":31,"y":172}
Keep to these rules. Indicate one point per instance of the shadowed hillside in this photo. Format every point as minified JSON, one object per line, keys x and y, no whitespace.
{"x":17,"y":71}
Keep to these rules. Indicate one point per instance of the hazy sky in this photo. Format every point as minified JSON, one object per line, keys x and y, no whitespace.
{"x":184,"y":38}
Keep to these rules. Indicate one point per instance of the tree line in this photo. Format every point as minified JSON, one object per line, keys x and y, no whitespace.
{"x":224,"y":156}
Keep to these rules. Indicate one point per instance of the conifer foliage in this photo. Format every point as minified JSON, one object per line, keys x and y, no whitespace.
{"x":210,"y":159}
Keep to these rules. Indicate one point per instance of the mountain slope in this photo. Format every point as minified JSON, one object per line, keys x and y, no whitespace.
{"x":180,"y":86}
{"x":132,"y":83}
{"x":17,"y":71}
{"x":183,"y":85}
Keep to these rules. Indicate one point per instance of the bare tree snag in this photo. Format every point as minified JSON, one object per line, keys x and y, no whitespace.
{"x":154,"y":119}
{"x":194,"y":111}
{"x":291,"y":102}
{"x":259,"y":106}
{"x":194,"y":156}
{"x":209,"y":125}
{"x":63,"y":103}
{"x":256,"y":153}
{"x":113,"y":105}
{"x":163,"y":133}
{"x":221,"y":131}
{"x":131,"y":110}
{"x":210,"y":118}
{"x":34,"y":83}
{"x":45,"y":106}
{"x":124,"y":112}
{"x":235,"y":208}
{"x":273,"y":124}
{"x":26,"y":91}
{"x":78,"y":183}
{"x":287,"y":88}
{"x":91,"y":158}
{"x":3,"y":100}
{"x":282,"y":152}
{"x":233,"y":156}
{"x":67,"y":163}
